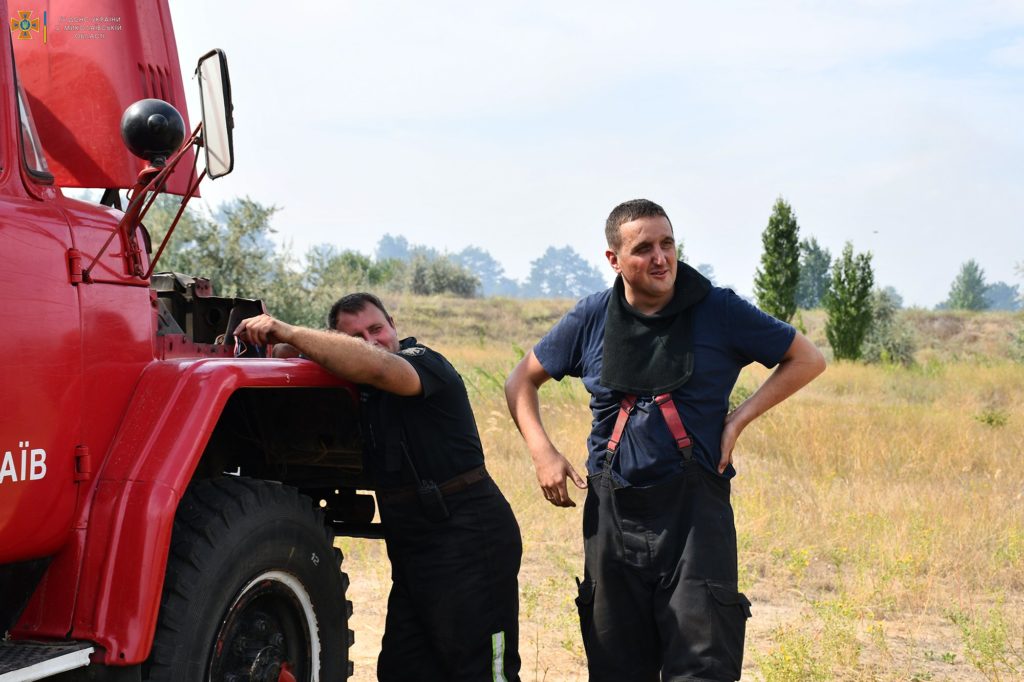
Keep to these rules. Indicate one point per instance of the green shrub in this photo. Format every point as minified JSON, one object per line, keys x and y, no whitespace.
{"x":889,"y":339}
{"x":989,"y":643}
{"x":1017,"y":341}
{"x":992,"y":416}
{"x":792,"y":658}
{"x":848,"y":303}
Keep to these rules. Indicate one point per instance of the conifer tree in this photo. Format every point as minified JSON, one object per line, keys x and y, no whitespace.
{"x":814,"y":276}
{"x":848,"y":303}
{"x":968,"y":289}
{"x":776,"y":279}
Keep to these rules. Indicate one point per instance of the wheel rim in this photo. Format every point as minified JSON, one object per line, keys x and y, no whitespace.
{"x":269,"y":634}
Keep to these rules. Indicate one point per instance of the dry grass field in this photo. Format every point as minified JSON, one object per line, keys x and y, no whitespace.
{"x":880,"y":512}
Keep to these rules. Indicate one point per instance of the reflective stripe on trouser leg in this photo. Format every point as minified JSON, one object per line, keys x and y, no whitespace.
{"x":498,"y":659}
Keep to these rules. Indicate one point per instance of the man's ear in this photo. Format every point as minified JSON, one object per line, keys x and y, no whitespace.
{"x":613,"y":260}
{"x":391,"y":321}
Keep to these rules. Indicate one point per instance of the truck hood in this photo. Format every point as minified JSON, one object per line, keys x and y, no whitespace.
{"x":81,"y":63}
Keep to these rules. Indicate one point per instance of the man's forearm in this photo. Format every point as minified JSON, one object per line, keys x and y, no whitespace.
{"x":354,"y":359}
{"x":552,"y":468}
{"x":524,"y":406}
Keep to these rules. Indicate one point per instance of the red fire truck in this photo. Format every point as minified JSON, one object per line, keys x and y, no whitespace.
{"x":167,"y":510}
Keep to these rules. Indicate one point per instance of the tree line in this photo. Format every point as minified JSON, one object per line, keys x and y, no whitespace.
{"x":861,"y":321}
{"x":235,"y":245}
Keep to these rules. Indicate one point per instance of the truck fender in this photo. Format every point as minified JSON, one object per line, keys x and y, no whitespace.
{"x":174,"y":409}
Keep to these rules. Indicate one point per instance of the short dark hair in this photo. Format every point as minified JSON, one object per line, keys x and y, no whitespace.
{"x":626,"y":212}
{"x":354,"y":303}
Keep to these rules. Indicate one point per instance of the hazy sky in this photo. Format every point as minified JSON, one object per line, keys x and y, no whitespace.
{"x":517,"y":125}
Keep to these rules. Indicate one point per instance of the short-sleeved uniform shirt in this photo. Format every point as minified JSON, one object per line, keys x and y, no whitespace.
{"x":440,"y":432}
{"x":728,"y":334}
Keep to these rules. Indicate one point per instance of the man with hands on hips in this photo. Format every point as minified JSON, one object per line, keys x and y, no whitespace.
{"x":659,"y":354}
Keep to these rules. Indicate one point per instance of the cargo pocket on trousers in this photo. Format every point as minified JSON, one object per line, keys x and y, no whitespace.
{"x":729,"y":613}
{"x":585,"y":606}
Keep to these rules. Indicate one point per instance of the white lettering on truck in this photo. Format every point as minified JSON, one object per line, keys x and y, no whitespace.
{"x":32,"y":461}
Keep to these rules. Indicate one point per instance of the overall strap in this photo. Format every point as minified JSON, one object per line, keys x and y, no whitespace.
{"x":625,"y":408}
{"x":675,"y":424}
{"x":672,"y":419}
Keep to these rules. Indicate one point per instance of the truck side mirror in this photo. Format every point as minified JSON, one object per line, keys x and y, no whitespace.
{"x":218,"y":124}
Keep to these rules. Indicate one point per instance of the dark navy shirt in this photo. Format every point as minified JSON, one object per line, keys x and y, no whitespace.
{"x":439,"y":429}
{"x":728,"y":334}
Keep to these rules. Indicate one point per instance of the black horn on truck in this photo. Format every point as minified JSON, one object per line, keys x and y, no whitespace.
{"x":152,"y":129}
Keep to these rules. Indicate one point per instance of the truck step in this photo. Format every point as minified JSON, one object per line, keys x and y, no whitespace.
{"x":24,"y":661}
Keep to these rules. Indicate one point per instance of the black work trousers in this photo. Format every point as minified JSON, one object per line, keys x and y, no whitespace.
{"x":659,"y":598}
{"x":453,"y":611}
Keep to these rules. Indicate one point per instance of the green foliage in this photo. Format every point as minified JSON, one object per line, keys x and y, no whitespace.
{"x":814,"y":277}
{"x":440,"y":276}
{"x":234,"y":250}
{"x":1017,"y":342}
{"x":848,"y":303}
{"x":390,"y":247}
{"x":798,"y":322}
{"x":330,"y":274}
{"x":793,"y":658}
{"x":1003,"y":296}
{"x":993,"y":416}
{"x":680,"y":249}
{"x":775,"y":282}
{"x":831,"y":653}
{"x":968,"y":289}
{"x":1011,"y":551}
{"x":562,"y":273}
{"x":894,"y":296}
{"x":889,"y":339}
{"x":839,"y":634}
{"x":1019,"y":269}
{"x":488,"y":270}
{"x":158,"y":220}
{"x":989,"y":643}
{"x":740,"y":392}
{"x":947,"y":657}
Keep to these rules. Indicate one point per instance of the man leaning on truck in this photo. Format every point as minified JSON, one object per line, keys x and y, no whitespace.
{"x":455,"y":546}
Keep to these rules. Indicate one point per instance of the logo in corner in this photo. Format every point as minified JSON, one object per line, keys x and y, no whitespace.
{"x":412,"y":351}
{"x":24,"y":24}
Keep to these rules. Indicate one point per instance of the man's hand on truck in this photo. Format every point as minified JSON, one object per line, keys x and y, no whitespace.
{"x":358,"y":359}
{"x":262,"y":330}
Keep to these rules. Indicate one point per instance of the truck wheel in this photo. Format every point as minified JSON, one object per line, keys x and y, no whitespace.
{"x":254,"y":590}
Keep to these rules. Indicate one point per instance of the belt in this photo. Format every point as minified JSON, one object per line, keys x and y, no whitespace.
{"x":452,"y":485}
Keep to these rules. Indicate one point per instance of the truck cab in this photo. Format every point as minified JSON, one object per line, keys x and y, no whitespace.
{"x":167,"y":509}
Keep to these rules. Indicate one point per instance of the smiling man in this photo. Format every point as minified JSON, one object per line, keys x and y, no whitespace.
{"x":454,"y":546}
{"x":659,"y":353}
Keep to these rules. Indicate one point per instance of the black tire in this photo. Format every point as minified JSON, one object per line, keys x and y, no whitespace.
{"x":253,"y":582}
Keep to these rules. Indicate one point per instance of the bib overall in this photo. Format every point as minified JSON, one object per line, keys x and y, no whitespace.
{"x":659,"y":597}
